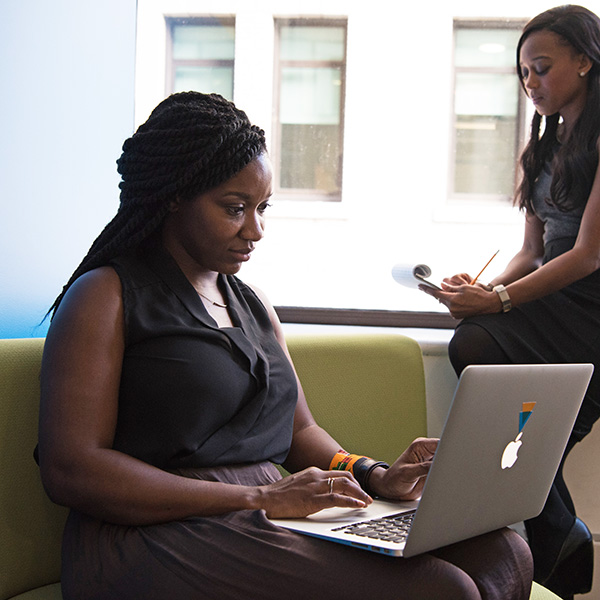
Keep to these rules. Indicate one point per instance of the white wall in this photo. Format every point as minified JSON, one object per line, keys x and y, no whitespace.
{"x":67,"y":69}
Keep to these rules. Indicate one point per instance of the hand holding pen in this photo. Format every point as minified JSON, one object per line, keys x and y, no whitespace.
{"x":473,"y":281}
{"x":462,"y":297}
{"x":466,"y":279}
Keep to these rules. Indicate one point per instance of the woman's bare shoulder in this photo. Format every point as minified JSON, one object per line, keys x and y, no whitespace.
{"x":91,"y":304}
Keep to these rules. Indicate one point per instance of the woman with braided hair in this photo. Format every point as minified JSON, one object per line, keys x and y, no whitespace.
{"x":168,"y":393}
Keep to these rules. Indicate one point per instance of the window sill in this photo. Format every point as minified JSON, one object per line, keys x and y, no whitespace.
{"x":361,"y":317}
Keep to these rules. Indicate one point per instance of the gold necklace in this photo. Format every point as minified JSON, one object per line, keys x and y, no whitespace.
{"x":211,"y":301}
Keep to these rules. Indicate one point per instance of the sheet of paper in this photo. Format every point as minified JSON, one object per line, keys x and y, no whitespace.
{"x":412,"y":275}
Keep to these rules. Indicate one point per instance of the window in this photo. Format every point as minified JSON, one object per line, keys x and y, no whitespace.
{"x":488,"y":108}
{"x":310,"y":75}
{"x":388,"y":147}
{"x":201,"y":55}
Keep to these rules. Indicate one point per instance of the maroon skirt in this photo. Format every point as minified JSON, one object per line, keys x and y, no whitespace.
{"x":242,"y":556}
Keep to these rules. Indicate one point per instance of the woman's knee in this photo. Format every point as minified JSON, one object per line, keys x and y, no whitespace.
{"x":463,"y":348}
{"x":438,"y":578}
{"x":507,"y":574}
{"x":474,"y":345}
{"x":499,"y":563}
{"x":454,"y":586}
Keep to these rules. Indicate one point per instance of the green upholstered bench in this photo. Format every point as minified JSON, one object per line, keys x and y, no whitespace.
{"x":369,"y":391}
{"x":30,"y":525}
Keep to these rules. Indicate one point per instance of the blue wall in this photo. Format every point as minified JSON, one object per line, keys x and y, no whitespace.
{"x":67,"y":72}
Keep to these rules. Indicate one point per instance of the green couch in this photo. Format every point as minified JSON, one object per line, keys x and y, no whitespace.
{"x":369,"y":391}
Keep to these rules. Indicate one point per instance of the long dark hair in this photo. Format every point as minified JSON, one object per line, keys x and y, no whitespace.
{"x":576,"y":161}
{"x":191,"y":143}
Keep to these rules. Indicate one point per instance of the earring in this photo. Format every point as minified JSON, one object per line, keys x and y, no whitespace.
{"x":582,"y":74}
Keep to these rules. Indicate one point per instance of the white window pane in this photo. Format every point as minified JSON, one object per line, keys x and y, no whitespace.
{"x":486,"y":94}
{"x":217,"y":80}
{"x":312,"y":43}
{"x":310,"y":157}
{"x":485,"y":155}
{"x":204,"y":42}
{"x":310,"y":96}
{"x":485,"y":48}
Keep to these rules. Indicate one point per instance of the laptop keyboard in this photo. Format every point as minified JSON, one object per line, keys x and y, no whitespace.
{"x":393,"y":528}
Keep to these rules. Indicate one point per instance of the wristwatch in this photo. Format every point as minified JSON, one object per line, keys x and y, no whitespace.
{"x":504,"y":297}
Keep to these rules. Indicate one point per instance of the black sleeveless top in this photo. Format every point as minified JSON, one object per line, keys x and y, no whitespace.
{"x":193,"y":394}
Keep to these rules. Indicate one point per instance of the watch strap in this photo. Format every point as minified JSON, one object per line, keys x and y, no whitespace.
{"x":504,"y":297}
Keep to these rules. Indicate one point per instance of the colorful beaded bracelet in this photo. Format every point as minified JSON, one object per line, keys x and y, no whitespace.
{"x":360,"y":466}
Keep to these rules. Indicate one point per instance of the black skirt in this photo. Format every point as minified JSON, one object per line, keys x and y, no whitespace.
{"x":563,"y":327}
{"x":243,"y":556}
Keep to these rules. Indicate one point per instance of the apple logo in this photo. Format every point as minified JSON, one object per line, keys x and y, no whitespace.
{"x":510,"y":454}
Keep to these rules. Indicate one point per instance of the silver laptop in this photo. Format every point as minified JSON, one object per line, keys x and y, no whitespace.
{"x":500,"y":449}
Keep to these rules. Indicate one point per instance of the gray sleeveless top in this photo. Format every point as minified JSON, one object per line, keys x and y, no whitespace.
{"x":558,"y":224}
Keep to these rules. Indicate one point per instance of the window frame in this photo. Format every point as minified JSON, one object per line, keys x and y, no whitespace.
{"x":304,"y":194}
{"x":479,"y":198}
{"x":172,"y":63}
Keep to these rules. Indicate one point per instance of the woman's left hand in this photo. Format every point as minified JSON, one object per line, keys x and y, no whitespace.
{"x":465,"y":300}
{"x":405,"y":479}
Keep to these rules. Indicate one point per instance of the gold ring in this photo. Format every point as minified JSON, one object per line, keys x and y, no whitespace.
{"x":330,"y":482}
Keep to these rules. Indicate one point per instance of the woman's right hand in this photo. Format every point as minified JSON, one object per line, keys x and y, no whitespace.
{"x":465,"y":278}
{"x":309,"y":491}
{"x":458,"y":279}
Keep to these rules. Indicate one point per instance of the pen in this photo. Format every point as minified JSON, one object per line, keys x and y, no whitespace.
{"x":484,"y":268}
